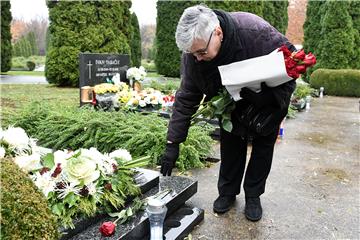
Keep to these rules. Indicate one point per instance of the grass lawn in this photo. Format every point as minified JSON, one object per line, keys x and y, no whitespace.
{"x":23,"y":73}
{"x":15,"y":96}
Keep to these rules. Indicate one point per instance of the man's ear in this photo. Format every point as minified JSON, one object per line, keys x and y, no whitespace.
{"x":218,"y":31}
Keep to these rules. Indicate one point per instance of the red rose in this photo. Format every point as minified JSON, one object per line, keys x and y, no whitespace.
{"x":290,"y":63}
{"x":301,"y":68}
{"x":285,"y":51}
{"x":309,"y":60}
{"x":107,"y":229}
{"x":292,"y":73}
{"x":300,"y":55}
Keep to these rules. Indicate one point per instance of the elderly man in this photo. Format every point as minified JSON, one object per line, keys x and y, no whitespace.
{"x":208,"y":39}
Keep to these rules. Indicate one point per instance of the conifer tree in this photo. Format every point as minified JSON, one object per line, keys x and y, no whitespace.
{"x":336,"y":46}
{"x":135,"y":42}
{"x":167,"y":58}
{"x":355,"y":15}
{"x":32,"y":41}
{"x":6,"y":47}
{"x":84,"y":26}
{"x":312,"y":25}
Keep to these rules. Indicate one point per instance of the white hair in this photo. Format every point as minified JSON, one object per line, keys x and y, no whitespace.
{"x":196,"y":22}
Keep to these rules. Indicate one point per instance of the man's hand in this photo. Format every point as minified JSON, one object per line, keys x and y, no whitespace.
{"x":169,"y":158}
{"x":260,"y":99}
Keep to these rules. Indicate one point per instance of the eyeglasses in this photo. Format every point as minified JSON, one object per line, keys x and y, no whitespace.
{"x":204,"y":51}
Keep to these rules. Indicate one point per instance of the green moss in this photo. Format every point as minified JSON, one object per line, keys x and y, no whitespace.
{"x":24,"y":210}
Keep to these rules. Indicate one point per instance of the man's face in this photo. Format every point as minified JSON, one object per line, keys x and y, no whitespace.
{"x":206,"y":50}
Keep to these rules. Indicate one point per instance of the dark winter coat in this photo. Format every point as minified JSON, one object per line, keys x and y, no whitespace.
{"x":245,"y":36}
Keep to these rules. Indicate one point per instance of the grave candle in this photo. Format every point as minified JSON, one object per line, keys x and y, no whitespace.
{"x":156,"y":211}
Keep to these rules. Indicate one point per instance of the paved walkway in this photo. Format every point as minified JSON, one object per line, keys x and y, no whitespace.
{"x":313,"y":189}
{"x":8,"y":79}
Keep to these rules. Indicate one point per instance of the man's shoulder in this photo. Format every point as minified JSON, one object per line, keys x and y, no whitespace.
{"x":249,"y":21}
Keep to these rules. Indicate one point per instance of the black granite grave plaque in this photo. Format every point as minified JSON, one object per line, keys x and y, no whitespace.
{"x":95,"y":68}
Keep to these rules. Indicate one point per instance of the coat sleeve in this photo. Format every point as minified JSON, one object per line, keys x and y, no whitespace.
{"x":187,"y":100}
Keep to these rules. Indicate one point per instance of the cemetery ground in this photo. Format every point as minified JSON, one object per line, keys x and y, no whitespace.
{"x":312,"y":191}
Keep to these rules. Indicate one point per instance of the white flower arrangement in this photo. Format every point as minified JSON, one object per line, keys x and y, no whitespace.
{"x":68,"y":178}
{"x":136,"y":74}
{"x":15,"y":141}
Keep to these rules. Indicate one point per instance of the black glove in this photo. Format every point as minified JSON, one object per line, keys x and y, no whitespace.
{"x":260,"y":99}
{"x":169,"y":158}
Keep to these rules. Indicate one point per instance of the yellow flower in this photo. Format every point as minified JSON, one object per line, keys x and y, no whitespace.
{"x":105,"y":87}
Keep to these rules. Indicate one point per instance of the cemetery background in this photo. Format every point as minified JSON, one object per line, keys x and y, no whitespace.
{"x":15,"y":98}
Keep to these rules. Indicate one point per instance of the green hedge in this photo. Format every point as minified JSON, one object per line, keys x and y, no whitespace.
{"x":24,"y":210}
{"x":340,"y":82}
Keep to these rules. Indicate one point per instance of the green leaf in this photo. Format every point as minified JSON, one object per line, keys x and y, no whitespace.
{"x":115,"y":215}
{"x":219,"y":103}
{"x":70,"y":199}
{"x":129,"y":212}
{"x":227,"y":125}
{"x":48,"y":160}
{"x":58,"y":209}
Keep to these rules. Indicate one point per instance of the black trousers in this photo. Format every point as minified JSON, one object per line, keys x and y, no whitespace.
{"x":233,"y":159}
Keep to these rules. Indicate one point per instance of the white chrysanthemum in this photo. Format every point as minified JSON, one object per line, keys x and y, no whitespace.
{"x":16,"y":138}
{"x":68,"y":188}
{"x":107,"y":167}
{"x":93,"y":154}
{"x":28,"y":162}
{"x":93,"y":190}
{"x":122,"y":154}
{"x":60,"y":156}
{"x":44,"y":182}
{"x":2,"y":152}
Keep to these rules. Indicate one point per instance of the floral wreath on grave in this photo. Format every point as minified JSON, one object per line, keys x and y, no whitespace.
{"x":78,"y":183}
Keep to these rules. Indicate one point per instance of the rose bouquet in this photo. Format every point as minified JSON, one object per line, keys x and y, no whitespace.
{"x":296,"y":63}
{"x":78,"y":183}
{"x":276,"y":69}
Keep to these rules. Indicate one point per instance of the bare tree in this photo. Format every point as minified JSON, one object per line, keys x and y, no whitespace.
{"x":147,"y":33}
{"x":39,"y":25}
